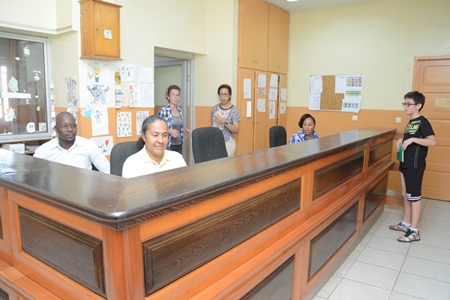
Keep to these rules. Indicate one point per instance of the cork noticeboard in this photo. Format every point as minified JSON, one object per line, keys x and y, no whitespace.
{"x":336,"y":92}
{"x":329,"y":99}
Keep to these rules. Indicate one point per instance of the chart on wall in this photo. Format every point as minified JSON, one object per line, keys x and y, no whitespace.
{"x":336,"y":92}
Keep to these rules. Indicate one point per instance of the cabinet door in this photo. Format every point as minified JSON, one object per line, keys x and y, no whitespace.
{"x":282,"y":119}
{"x":253,"y":34}
{"x":100,"y":29}
{"x":245,"y":96}
{"x":260,"y":130}
{"x":278,"y":40}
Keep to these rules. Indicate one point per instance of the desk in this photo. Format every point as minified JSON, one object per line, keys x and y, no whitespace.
{"x":230,"y":228}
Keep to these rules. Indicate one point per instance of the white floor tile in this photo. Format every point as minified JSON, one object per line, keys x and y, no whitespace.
{"x":352,"y":290}
{"x":422,"y":287}
{"x":435,"y":240}
{"x":382,"y":258}
{"x":399,"y":296}
{"x":372,"y":275}
{"x":431,"y":253}
{"x":426,"y":268}
{"x":389,"y":243}
{"x":329,"y":287}
{"x":344,"y":267}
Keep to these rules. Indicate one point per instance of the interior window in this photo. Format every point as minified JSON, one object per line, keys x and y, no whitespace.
{"x":24,"y":108}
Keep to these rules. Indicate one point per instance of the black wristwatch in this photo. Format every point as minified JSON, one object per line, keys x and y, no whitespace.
{"x":225,"y":124}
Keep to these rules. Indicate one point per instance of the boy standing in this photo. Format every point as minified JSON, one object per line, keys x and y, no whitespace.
{"x":418,"y":136}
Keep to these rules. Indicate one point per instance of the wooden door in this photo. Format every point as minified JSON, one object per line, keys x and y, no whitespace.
{"x":431,"y":77}
{"x":282,"y":101}
{"x":260,"y":131}
{"x":245,"y":106}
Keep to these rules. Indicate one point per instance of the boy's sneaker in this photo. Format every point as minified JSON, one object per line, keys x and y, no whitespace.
{"x":410,"y":236}
{"x":399,"y":227}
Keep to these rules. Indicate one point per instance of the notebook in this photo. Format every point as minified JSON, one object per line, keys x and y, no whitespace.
{"x":401,"y":154}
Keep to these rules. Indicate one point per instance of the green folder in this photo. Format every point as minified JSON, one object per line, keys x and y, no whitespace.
{"x":401,"y":154}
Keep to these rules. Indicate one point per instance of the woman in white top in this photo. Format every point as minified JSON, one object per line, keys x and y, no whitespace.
{"x":154,"y":157}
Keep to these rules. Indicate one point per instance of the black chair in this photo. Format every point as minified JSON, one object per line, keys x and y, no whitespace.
{"x":277,"y":136}
{"x":119,"y":153}
{"x":208,"y":144}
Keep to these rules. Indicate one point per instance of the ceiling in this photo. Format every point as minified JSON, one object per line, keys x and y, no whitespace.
{"x":310,"y":4}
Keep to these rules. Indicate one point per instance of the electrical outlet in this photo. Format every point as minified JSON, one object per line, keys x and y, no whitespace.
{"x":355,"y":118}
{"x":398,"y":120}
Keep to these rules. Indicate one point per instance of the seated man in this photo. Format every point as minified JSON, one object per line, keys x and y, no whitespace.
{"x":70,"y":149}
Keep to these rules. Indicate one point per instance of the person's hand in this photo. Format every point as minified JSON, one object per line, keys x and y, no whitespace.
{"x":174,"y":133}
{"x":188,"y":132}
{"x":219,"y":119}
{"x":406,"y":143}
{"x":398,"y":144}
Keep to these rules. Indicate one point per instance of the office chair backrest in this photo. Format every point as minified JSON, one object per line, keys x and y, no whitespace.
{"x":277,"y":136}
{"x":208,"y":144}
{"x":119,"y":153}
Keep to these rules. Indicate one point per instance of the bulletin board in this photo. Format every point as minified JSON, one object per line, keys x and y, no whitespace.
{"x":336,"y":92}
{"x":330,"y":100}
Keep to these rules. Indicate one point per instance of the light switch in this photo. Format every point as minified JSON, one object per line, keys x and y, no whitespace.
{"x":355,"y":118}
{"x":398,"y":120}
{"x":107,"y":34}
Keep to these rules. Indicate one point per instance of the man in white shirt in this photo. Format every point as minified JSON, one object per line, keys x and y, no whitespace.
{"x":70,"y":149}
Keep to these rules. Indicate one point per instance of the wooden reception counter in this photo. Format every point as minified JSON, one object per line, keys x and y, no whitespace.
{"x":274,"y":223}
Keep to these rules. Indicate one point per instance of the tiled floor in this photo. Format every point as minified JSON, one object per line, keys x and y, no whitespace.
{"x":380,"y":268}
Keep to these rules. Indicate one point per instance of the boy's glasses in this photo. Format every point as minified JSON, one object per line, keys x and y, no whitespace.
{"x":408,"y":104}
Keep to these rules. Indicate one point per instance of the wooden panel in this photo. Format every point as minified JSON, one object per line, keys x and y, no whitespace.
{"x":277,"y":285}
{"x":379,"y":151}
{"x":374,"y":196}
{"x":3,"y":295}
{"x":176,"y":253}
{"x":76,"y":255}
{"x":327,"y":242}
{"x":329,"y":177}
{"x":278,"y":41}
{"x":432,"y":78}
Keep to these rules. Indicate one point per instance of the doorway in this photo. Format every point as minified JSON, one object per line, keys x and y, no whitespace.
{"x":169,"y":70}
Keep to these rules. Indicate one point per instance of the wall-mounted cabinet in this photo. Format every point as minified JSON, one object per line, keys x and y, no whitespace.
{"x":253,"y":34}
{"x":100,"y":30}
{"x":278,"y":41}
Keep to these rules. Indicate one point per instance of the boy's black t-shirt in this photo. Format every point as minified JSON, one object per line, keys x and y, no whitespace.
{"x":415,"y":154}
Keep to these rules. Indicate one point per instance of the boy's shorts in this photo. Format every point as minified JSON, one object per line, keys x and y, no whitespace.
{"x":413,"y":182}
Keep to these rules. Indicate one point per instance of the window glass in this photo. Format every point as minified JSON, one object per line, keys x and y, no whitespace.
{"x":24,"y":104}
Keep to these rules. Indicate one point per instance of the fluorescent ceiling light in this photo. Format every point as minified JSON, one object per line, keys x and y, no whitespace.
{"x":291,"y":0}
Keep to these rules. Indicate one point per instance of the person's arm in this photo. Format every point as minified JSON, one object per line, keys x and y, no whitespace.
{"x":234,"y":128}
{"x":429,"y":141}
{"x":99,"y":160}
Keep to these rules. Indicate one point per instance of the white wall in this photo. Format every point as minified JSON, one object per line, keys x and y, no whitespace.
{"x":377,"y":39}
{"x":36,"y":16}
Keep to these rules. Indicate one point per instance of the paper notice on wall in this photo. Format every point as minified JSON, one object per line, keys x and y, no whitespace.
{"x":261,"y":105}
{"x":247,"y":88}
{"x":314,"y":101}
{"x":315,"y":82}
{"x":248,"y":112}
{"x":273,"y":80}
{"x":99,"y":120}
{"x":272,"y":109}
{"x":282,"y":107}
{"x":104,"y":143}
{"x":283,"y":94}
{"x":261,"y":80}
{"x":273,"y":93}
